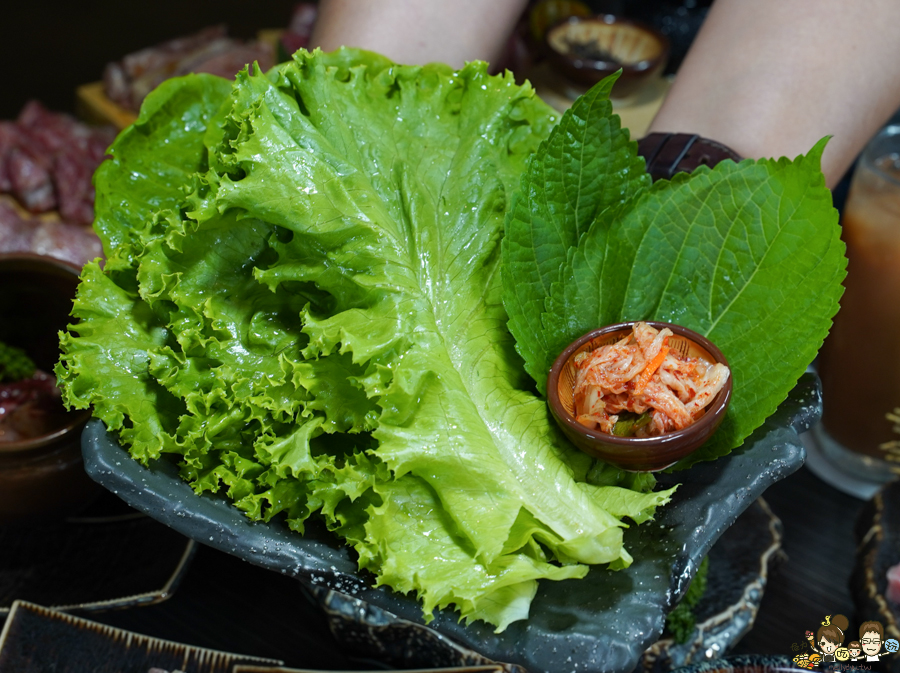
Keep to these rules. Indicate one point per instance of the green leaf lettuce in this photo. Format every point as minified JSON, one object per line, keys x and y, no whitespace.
{"x":302,"y":305}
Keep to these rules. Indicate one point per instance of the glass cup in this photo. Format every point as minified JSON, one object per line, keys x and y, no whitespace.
{"x":860,"y":361}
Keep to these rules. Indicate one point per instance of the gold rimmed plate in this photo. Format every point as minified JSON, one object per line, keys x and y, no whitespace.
{"x":36,"y":639}
{"x":107,"y":558}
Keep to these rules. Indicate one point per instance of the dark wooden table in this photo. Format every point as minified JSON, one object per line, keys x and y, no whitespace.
{"x":224,"y":603}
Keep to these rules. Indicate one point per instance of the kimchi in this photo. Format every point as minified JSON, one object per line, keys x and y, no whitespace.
{"x":641,"y":387}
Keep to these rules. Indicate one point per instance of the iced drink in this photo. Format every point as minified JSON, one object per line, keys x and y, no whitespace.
{"x":860,"y":362}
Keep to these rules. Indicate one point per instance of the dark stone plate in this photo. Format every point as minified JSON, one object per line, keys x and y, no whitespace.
{"x":739,"y":567}
{"x":601,"y":623}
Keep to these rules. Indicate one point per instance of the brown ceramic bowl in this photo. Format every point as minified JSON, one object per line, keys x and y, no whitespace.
{"x":638,"y":454}
{"x":587,"y":49}
{"x":547,"y":13}
{"x":41,"y":477}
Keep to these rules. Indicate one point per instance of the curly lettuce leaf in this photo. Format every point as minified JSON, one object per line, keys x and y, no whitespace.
{"x":426,"y":306}
{"x":319,"y":303}
{"x":153,"y":158}
{"x":112,"y":353}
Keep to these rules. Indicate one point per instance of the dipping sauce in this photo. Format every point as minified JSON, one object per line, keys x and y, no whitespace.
{"x":640,"y":387}
{"x":31,"y":408}
{"x":591,"y":51}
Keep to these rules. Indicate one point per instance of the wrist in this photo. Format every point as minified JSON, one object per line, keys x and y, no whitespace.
{"x":670,"y":153}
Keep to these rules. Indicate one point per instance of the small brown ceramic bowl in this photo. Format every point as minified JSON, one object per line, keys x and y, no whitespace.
{"x":547,"y":13}
{"x":587,"y":49}
{"x":637,"y":454}
{"x":40,"y":477}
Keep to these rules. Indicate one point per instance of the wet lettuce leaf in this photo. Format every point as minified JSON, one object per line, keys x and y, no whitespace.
{"x":153,"y":158}
{"x":747,"y":254}
{"x":302,"y":306}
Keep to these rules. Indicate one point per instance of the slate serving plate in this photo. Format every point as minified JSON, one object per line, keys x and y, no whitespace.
{"x":739,"y":567}
{"x":601,"y":623}
{"x":737,"y":576}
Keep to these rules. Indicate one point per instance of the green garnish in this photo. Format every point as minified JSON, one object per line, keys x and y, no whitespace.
{"x":15,"y":364}
{"x":681,"y":621}
{"x":629,"y":423}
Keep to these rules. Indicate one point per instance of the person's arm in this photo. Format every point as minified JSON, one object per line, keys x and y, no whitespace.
{"x":771,"y":77}
{"x":420,"y":31}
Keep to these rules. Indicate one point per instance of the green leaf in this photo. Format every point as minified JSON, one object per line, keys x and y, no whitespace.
{"x":107,"y":365}
{"x":154,"y":157}
{"x":746,"y":254}
{"x":587,"y":165}
{"x":604,"y":474}
{"x":414,"y":519}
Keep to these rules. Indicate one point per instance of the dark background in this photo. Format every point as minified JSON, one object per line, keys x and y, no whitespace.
{"x":48,"y":49}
